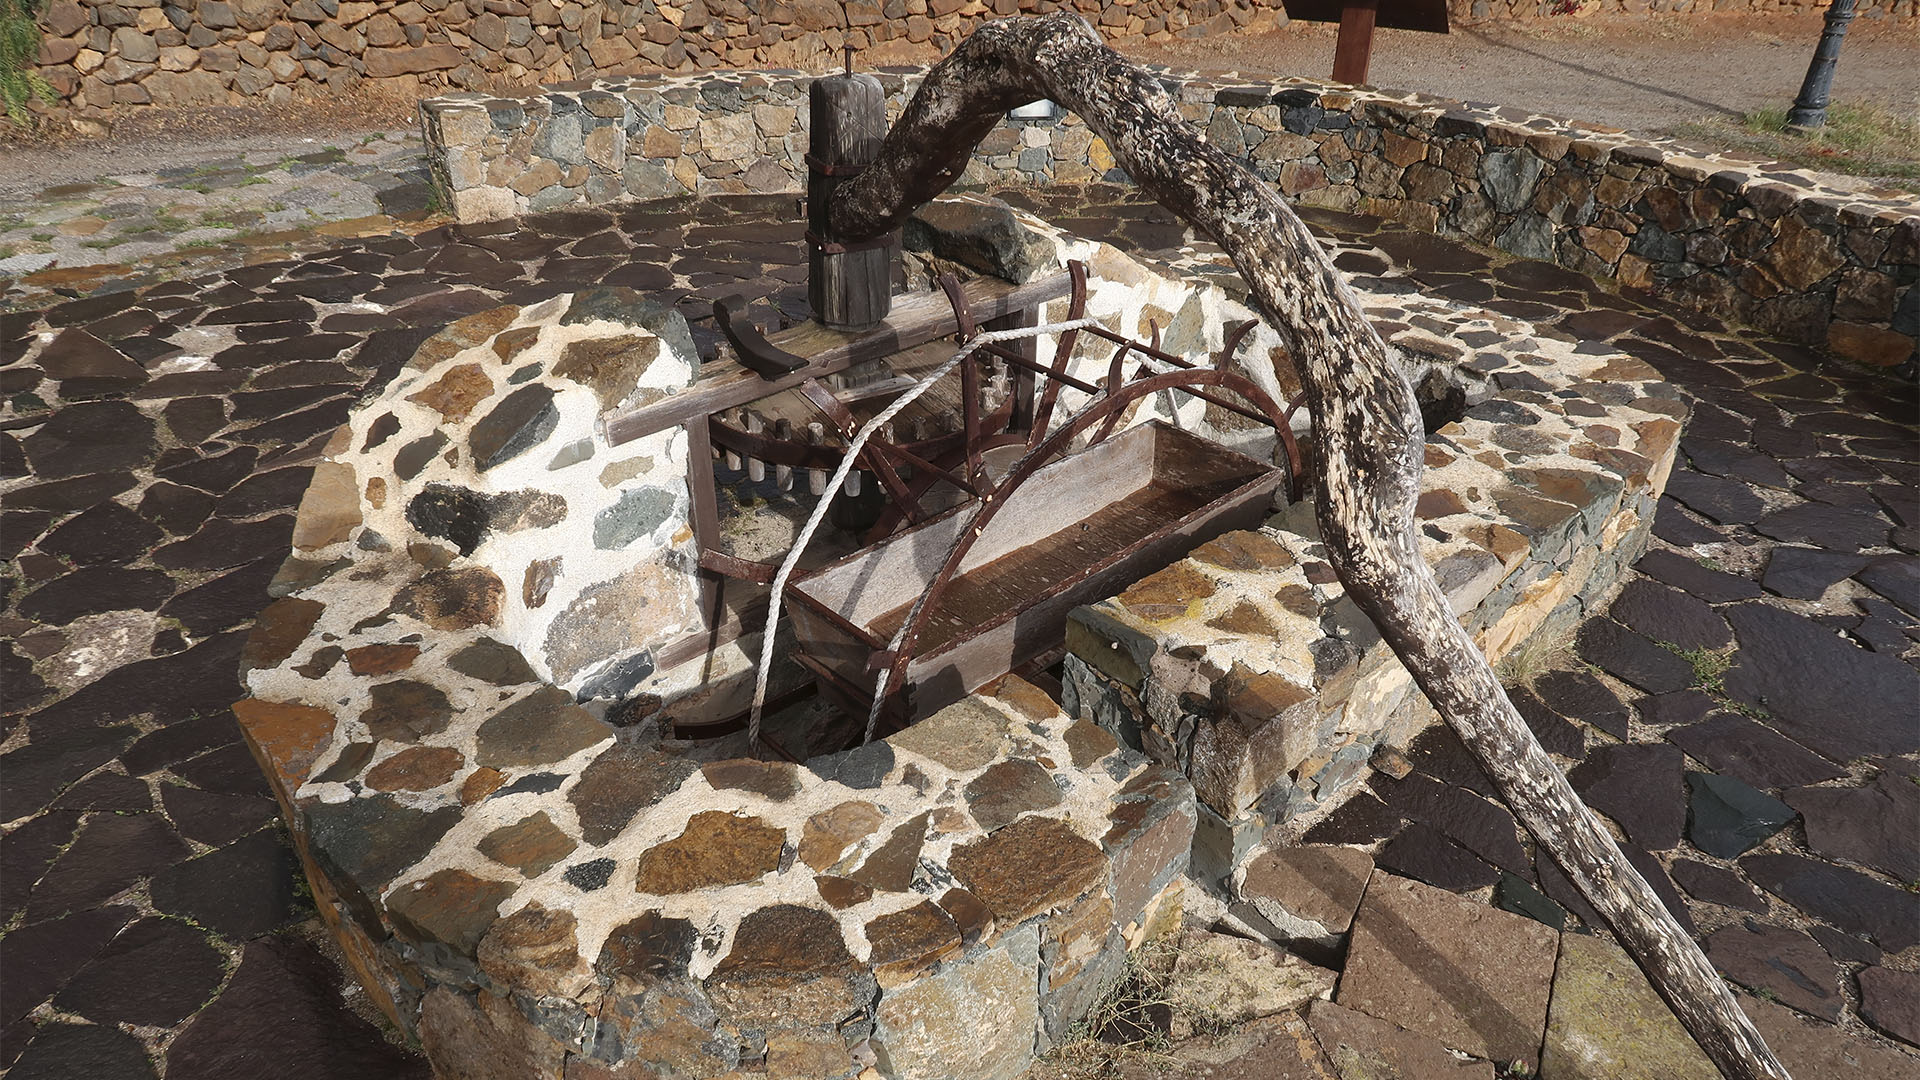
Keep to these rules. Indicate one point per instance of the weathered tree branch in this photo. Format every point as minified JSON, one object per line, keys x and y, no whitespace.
{"x":1367,"y":423}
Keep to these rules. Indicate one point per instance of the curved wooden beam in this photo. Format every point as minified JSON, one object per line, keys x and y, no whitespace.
{"x":1368,"y":425}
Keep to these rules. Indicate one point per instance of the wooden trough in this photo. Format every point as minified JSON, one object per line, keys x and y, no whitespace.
{"x":1079,"y":528}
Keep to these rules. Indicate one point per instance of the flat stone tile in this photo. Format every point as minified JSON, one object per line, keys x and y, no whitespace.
{"x":1606,"y":1022}
{"x":1872,"y":825}
{"x":1779,"y":961}
{"x":1819,"y":690}
{"x":1732,"y":744}
{"x":1848,"y":899}
{"x":1473,"y":977}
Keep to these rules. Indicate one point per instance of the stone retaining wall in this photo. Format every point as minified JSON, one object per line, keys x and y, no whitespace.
{"x":101,"y":53}
{"x":104,"y":53}
{"x":1761,"y":243}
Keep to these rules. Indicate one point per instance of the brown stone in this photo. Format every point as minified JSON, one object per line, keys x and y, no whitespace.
{"x":450,"y":906}
{"x":330,"y":508}
{"x":1167,"y":594}
{"x":539,"y":729}
{"x":286,"y":737}
{"x":406,"y":710}
{"x":479,"y":784}
{"x":1439,"y":503}
{"x":906,"y":943}
{"x":492,"y":662}
{"x":607,"y":619}
{"x":716,"y":848}
{"x":963,"y":736}
{"x":417,"y":768}
{"x":279,"y":630}
{"x":841,"y":893}
{"x":610,"y":367}
{"x":624,"y":780}
{"x":381,"y":659}
{"x":1264,"y":726}
{"x":1031,"y":866}
{"x":1234,"y":980}
{"x":1607,"y":1021}
{"x":1816,"y":1048}
{"x":891,"y":866}
{"x":1245,"y":620}
{"x":647,"y":949}
{"x":1031,"y":701}
{"x":1472,"y":976}
{"x":485,"y":1037}
{"x":1005,"y":791}
{"x":1148,"y":839}
{"x":512,"y":343}
{"x":1802,"y":256}
{"x":448,"y":599}
{"x":775,"y":780}
{"x":789,"y":966}
{"x":1315,"y":883}
{"x":969,"y":915}
{"x":531,"y":845}
{"x":538,"y":581}
{"x":1872,"y":345}
{"x":535,"y":950}
{"x":1362,"y":1047}
{"x":455,"y":394}
{"x":828,"y":834}
{"x":388,"y":63}
{"x":1244,"y":551}
{"x":977,"y":1019}
{"x":1088,"y":742}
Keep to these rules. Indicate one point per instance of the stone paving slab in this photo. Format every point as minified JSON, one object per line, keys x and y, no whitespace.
{"x":126,"y":230}
{"x":152,"y":460}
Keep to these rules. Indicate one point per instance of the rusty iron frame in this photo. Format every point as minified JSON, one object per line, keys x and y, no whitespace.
{"x":956,"y":458}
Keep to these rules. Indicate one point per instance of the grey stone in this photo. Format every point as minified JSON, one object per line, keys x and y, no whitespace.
{"x":982,"y":233}
{"x":1727,"y":819}
{"x":516,"y":425}
{"x":1509,"y":177}
{"x":1530,"y":237}
{"x":637,"y":514}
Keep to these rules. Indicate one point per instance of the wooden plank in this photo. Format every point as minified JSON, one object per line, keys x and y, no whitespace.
{"x":1353,"y":49}
{"x":915,"y":320}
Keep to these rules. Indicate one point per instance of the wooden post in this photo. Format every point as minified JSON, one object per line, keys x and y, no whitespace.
{"x":849,"y":285}
{"x":1365,"y":417}
{"x":1353,"y":49}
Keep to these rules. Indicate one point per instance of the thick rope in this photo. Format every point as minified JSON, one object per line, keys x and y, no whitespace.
{"x":800,"y":542}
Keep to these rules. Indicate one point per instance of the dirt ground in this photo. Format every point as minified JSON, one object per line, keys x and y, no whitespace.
{"x":1646,"y":75}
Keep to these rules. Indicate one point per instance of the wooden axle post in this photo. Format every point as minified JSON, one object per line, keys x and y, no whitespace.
{"x":850,"y":285}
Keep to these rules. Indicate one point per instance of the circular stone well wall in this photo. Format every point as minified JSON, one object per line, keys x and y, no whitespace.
{"x":534,"y":891}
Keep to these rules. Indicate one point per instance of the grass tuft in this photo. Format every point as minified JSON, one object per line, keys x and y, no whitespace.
{"x":1858,"y":140}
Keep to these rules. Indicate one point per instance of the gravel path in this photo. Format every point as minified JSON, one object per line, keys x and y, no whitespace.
{"x":1648,"y":75}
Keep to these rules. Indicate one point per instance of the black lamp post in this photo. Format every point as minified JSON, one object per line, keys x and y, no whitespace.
{"x":1810,"y":108}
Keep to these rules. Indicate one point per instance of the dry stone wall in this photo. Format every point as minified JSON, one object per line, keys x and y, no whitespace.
{"x":103,"y":53}
{"x":1759,"y":242}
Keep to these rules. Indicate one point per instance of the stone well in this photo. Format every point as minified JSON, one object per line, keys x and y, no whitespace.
{"x":460,"y":700}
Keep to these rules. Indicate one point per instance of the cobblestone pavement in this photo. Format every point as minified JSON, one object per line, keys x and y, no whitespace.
{"x":155,"y":441}
{"x":280,"y":198}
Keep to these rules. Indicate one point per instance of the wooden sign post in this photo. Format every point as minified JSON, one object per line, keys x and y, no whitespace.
{"x":850,"y":285}
{"x":1353,"y":49}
